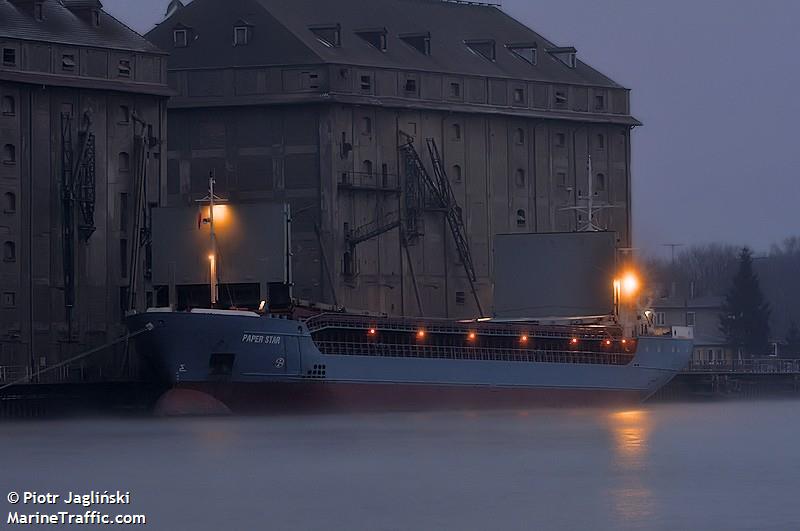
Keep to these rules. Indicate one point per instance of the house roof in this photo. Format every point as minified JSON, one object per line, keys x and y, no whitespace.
{"x":281,"y":36}
{"x":63,"y":26}
{"x":708,"y":302}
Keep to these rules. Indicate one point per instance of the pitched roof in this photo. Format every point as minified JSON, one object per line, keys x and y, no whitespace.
{"x":282,"y":36}
{"x":60,"y":25}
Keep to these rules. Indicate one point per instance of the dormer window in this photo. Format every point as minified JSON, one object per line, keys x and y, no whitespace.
{"x":180,"y":37}
{"x":567,"y":55}
{"x":124,"y":68}
{"x":526,"y":52}
{"x":242,"y":32}
{"x":329,"y":35}
{"x":421,"y":42}
{"x":484,"y":48}
{"x":9,"y":57}
{"x":376,"y":37}
{"x":68,"y":62}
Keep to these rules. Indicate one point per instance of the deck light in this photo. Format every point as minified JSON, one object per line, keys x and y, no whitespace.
{"x":524,"y":339}
{"x":262,"y":305}
{"x":607,"y":342}
{"x":372,"y":331}
{"x":573,"y":341}
{"x":420,"y":334}
{"x":472,"y":336}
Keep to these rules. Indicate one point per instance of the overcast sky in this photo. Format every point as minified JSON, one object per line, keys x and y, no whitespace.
{"x":715,"y":83}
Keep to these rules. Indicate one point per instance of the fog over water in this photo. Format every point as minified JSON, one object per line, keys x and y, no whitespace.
{"x":714,"y":82}
{"x":716,"y":466}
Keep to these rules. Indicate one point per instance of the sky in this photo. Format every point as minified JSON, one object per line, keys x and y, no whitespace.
{"x":715,"y":83}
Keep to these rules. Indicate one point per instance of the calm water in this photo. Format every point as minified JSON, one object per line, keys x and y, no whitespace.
{"x":666,"y":467}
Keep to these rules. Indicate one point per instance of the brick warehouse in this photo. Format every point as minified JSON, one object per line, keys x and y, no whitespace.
{"x":83,"y":111}
{"x":312,"y":102}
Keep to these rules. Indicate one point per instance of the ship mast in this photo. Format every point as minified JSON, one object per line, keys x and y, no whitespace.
{"x":213,"y":256}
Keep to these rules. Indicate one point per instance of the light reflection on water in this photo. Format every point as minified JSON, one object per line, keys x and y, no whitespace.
{"x":683,"y":466}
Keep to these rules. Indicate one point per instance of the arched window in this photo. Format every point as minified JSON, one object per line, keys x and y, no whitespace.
{"x":9,"y":154}
{"x":601,"y":141}
{"x":457,"y":173}
{"x":124,"y":161}
{"x":366,"y":167}
{"x":9,"y":202}
{"x":9,"y":106}
{"x":520,"y":178}
{"x":9,"y":252}
{"x":519,"y":136}
{"x":456,"y":132}
{"x":521,"y":219}
{"x":600,"y":183}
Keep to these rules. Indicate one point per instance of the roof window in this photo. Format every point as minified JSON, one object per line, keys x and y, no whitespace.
{"x":527,"y":52}
{"x":242,"y":33}
{"x":124,"y":68}
{"x":180,"y":37}
{"x":567,"y":55}
{"x":329,"y":35}
{"x":421,"y":42}
{"x":484,"y":48}
{"x":376,"y":37}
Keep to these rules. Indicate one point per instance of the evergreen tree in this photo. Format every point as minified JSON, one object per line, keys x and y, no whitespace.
{"x":793,"y":340}
{"x":745,"y":314}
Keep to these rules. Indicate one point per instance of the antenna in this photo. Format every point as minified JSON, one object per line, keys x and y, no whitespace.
{"x":672,"y":247}
{"x":591,"y":208}
{"x":212,"y":198}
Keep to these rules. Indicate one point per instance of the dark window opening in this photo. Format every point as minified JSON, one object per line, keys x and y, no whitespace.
{"x":330,"y":35}
{"x":123,"y":212}
{"x":519,"y":136}
{"x":528,"y":53}
{"x":600,"y":102}
{"x":521,"y":219}
{"x":600,"y":182}
{"x":9,"y":57}
{"x":124,"y":114}
{"x":347,"y":264}
{"x":519,"y":95}
{"x":9,"y":252}
{"x":9,"y":203}
{"x":561,"y":98}
{"x":9,"y":154}
{"x":366,"y":125}
{"x":421,"y":42}
{"x":366,"y":167}
{"x":124,"y":68}
{"x":124,"y":161}
{"x":456,"y":132}
{"x":484,"y":48}
{"x":366,"y":83}
{"x":561,"y":179}
{"x":9,"y":106}
{"x":461,"y":297}
{"x":455,"y":90}
{"x":457,"y":173}
{"x":68,"y":62}
{"x":374,"y":37}
{"x":221,"y":364}
{"x":520,"y":178}
{"x":561,"y":140}
{"x":123,"y":258}
{"x":161,"y":296}
{"x":410,"y":86}
{"x":601,"y":141}
{"x":567,"y":55}
{"x":241,"y":35}
{"x":385,"y":175}
{"x":180,"y":38}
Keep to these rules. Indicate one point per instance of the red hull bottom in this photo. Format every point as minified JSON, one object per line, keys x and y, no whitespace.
{"x":218,"y":398}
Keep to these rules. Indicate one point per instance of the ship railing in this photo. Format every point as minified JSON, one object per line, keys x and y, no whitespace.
{"x":433,"y":326}
{"x":70,"y":373}
{"x":345,"y":348}
{"x":751,"y":366}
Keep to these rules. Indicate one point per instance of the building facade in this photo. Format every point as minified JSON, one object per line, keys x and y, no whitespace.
{"x":83,"y":114}
{"x":702,"y":314}
{"x":315,"y":103}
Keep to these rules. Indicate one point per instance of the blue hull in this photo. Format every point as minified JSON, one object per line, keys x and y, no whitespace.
{"x":254,"y":362}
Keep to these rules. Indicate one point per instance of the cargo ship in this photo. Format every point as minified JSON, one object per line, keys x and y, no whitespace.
{"x":245,"y":362}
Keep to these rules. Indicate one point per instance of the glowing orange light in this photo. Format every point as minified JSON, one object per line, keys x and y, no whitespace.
{"x":472,"y":336}
{"x":573,"y":341}
{"x":372,"y":331}
{"x":211,"y":257}
{"x":524,"y":339}
{"x":420,"y":334}
{"x":624,"y":341}
{"x":220,"y":212}
{"x":608,"y":342}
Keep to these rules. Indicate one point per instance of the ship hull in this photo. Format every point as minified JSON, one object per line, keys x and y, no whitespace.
{"x":250,"y":364}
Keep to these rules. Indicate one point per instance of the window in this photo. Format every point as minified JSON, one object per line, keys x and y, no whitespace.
{"x":601,"y":141}
{"x":374,"y":37}
{"x":124,"y":161}
{"x":519,"y":136}
{"x":180,"y":38}
{"x":366,"y":125}
{"x":123,"y":258}
{"x":455,"y":90}
{"x":366,"y":83}
{"x":561,"y":98}
{"x":9,"y":252}
{"x":328,"y":35}
{"x":461,"y":298}
{"x":519,"y":178}
{"x":599,"y":102}
{"x":123,"y":212}
{"x":9,"y":299}
{"x":690,"y":318}
{"x":567,"y":55}
{"x":456,"y":132}
{"x":561,"y":140}
{"x":561,"y":179}
{"x":385,"y":175}
{"x":661,"y":319}
{"x":526,"y":52}
{"x":9,"y":57}
{"x":123,"y":114}
{"x":241,"y":35}
{"x":519,"y":95}
{"x":9,"y":203}
{"x":68,"y":62}
{"x":9,"y":154}
{"x":410,"y":86}
{"x":521,"y":220}
{"x":9,"y":106}
{"x":124,"y":68}
{"x":600,"y":182}
{"x":484,"y":48}
{"x":456,"y":173}
{"x":366,"y":167}
{"x":421,"y":42}
{"x":347,"y":264}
